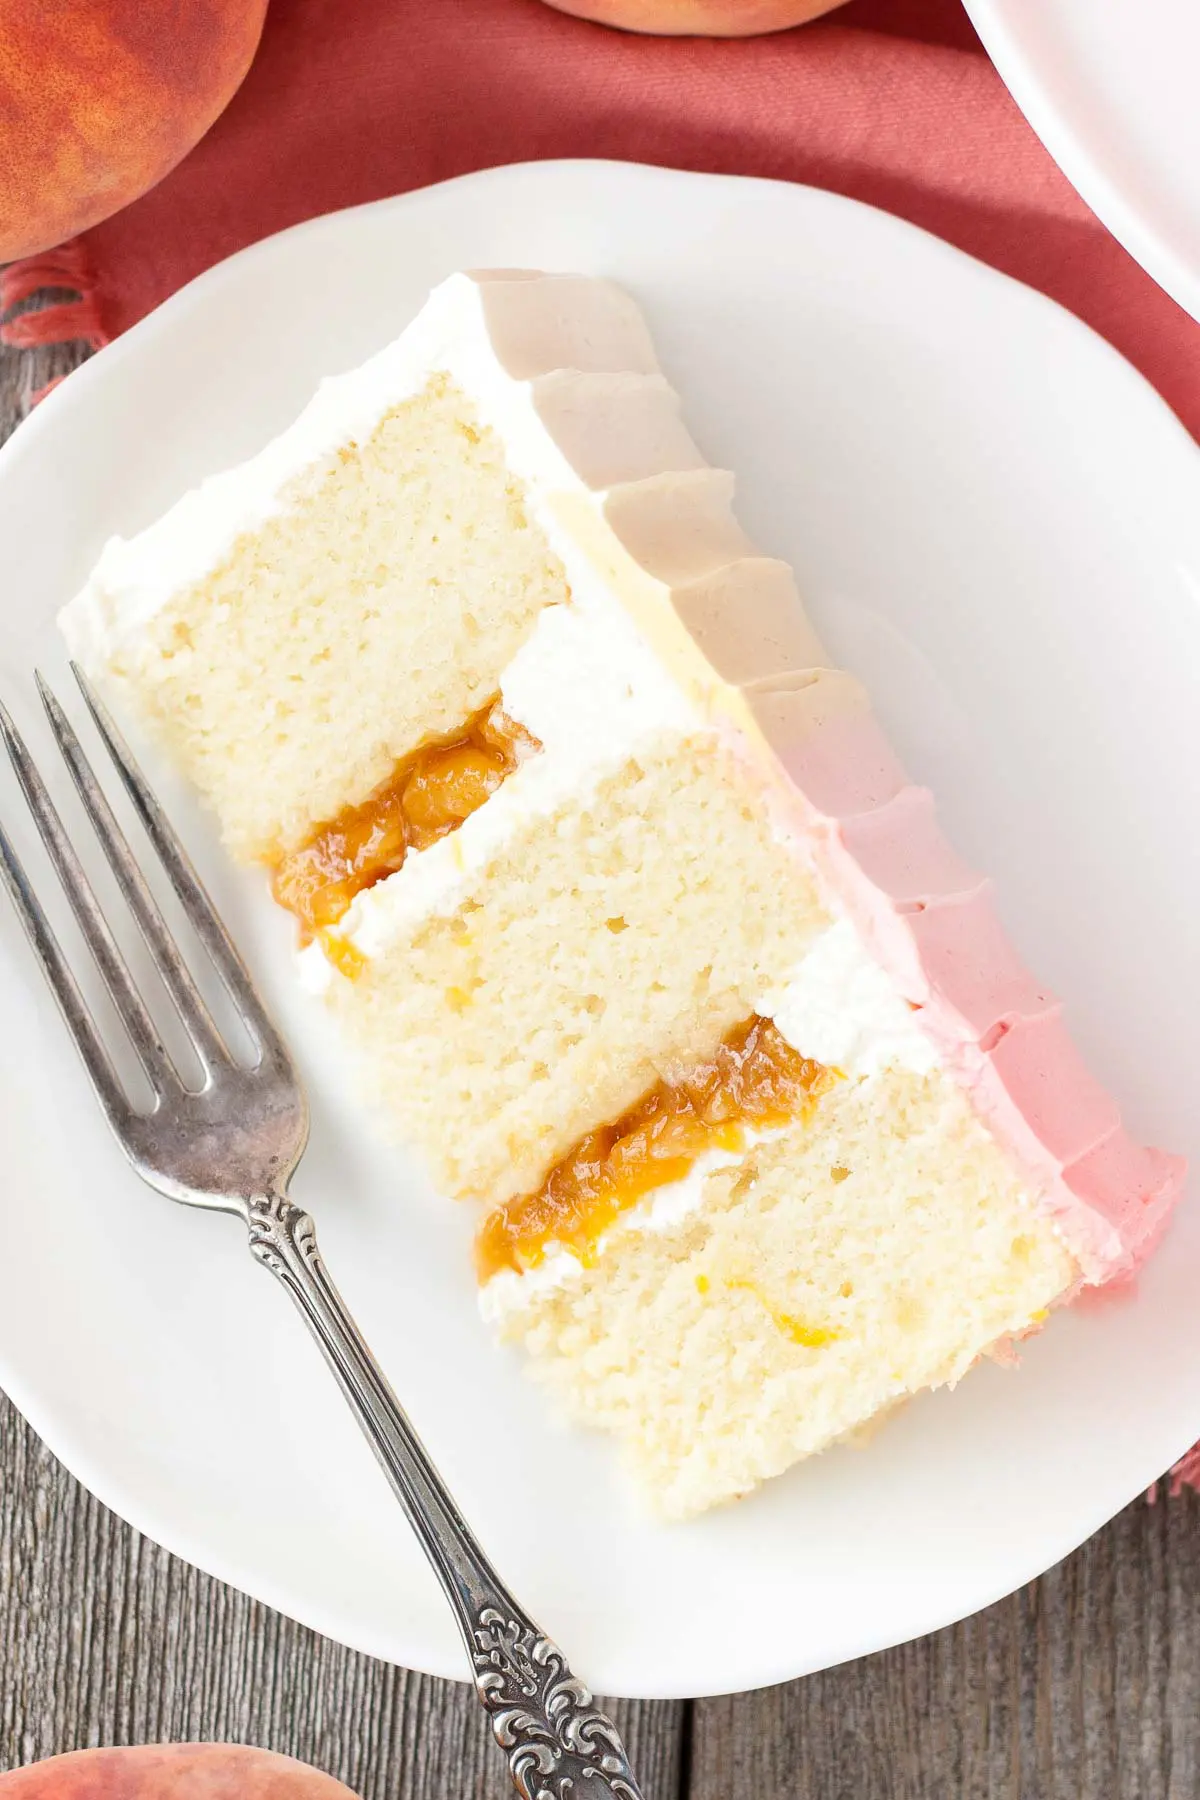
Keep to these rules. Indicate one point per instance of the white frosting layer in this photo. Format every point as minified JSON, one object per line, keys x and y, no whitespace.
{"x":840,"y":1008}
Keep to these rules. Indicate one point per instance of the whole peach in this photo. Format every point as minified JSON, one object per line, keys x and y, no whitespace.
{"x":171,"y":1772}
{"x":698,"y":18}
{"x":100,"y":98}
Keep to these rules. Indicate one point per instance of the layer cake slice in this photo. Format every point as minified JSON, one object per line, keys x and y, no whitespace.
{"x":637,"y":928}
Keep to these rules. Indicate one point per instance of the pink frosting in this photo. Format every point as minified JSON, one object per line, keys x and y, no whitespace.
{"x":931,"y":922}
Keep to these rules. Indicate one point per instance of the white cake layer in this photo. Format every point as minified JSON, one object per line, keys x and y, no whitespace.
{"x":562,"y":370}
{"x":134,"y":578}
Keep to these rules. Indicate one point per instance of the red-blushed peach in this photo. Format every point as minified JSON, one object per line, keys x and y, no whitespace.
{"x":171,"y":1772}
{"x":698,"y":18}
{"x":99,"y":99}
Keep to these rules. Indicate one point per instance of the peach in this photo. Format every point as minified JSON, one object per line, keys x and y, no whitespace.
{"x":171,"y":1772}
{"x":100,"y":98}
{"x":698,"y":18}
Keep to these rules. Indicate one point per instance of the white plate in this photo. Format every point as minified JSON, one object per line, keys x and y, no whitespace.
{"x":1112,"y":88}
{"x":998,"y":524}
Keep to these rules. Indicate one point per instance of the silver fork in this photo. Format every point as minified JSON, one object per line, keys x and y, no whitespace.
{"x":232,"y":1146}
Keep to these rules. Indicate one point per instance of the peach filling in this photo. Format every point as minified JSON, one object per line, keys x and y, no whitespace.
{"x":427,"y":795}
{"x":754,"y":1079}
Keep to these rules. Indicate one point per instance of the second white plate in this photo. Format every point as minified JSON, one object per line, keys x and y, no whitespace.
{"x":1110,"y":87}
{"x":998,"y":526}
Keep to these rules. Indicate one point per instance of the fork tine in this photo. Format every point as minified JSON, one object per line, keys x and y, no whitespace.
{"x":65,"y":988}
{"x":140,"y":1027}
{"x":176,"y":977}
{"x":187,"y":884}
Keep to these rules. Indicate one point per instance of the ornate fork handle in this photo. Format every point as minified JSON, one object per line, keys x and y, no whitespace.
{"x":559,"y":1745}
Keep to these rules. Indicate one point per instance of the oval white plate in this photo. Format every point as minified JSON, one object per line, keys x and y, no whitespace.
{"x":1111,"y":88}
{"x":998,"y":524}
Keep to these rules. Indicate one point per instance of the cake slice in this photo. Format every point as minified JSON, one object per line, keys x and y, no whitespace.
{"x":639,"y":931}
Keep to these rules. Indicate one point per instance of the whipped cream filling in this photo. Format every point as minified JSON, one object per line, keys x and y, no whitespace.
{"x":840,"y":1008}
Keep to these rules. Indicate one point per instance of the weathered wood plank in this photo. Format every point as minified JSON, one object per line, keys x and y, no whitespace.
{"x":1085,"y":1686}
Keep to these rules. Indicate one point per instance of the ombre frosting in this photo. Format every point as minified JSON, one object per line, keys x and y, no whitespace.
{"x":931,"y":922}
{"x":661,"y":526}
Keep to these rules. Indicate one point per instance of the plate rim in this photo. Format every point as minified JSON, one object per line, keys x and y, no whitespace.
{"x":1081,"y":159}
{"x":108,"y":362}
{"x":108,"y":357}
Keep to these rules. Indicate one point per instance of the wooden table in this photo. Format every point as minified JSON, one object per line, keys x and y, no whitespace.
{"x":1085,"y":1686}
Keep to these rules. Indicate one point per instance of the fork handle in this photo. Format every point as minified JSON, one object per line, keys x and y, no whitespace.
{"x":559,"y":1745}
